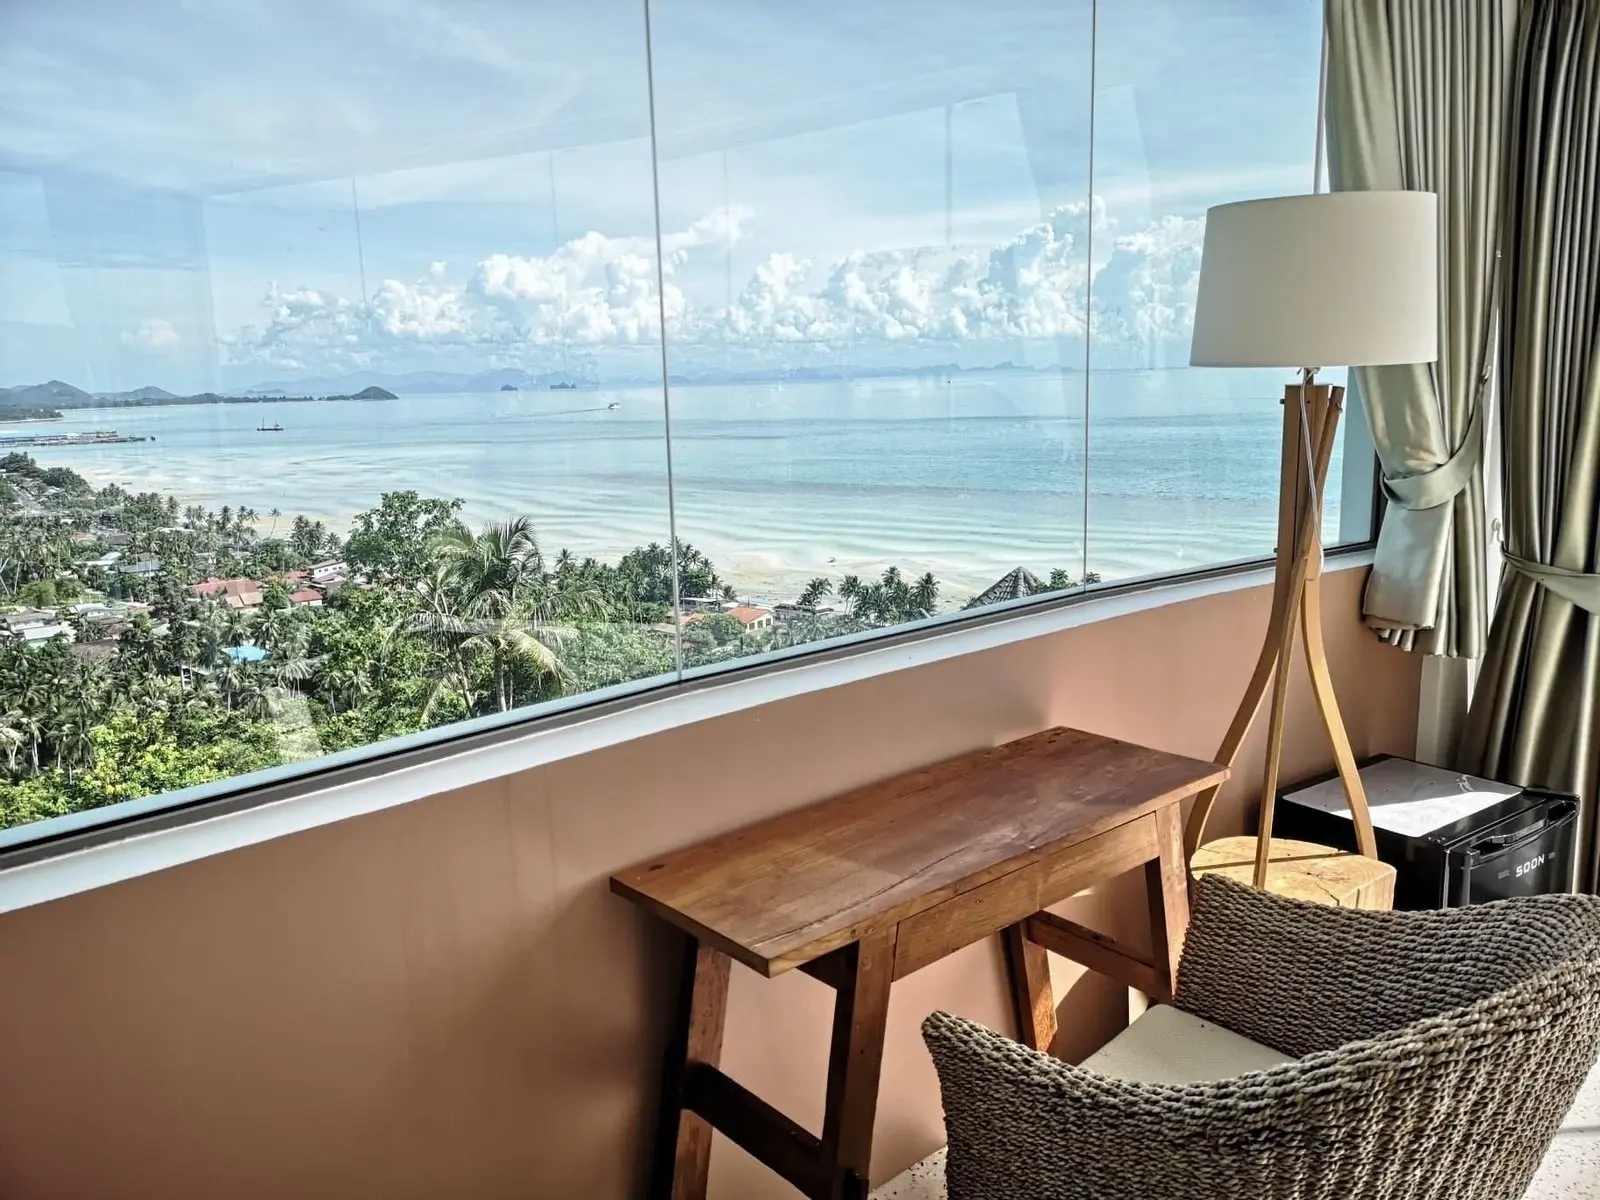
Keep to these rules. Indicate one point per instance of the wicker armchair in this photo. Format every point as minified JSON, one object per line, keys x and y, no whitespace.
{"x":1430,"y":1055}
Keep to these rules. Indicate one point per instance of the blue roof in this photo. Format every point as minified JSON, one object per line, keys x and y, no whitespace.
{"x":246,"y":653}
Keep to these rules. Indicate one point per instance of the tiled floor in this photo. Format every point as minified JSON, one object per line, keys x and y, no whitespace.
{"x":1571,"y":1170}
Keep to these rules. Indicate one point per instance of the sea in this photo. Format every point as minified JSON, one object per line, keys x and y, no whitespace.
{"x":1138,"y":473}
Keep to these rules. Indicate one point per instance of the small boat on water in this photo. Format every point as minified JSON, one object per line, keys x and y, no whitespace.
{"x":613,"y":406}
{"x":273,"y":428}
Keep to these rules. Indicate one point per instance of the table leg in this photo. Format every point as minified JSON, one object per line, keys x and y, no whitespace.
{"x":1033,"y":1000}
{"x":1167,"y":882}
{"x":683,"y":1139}
{"x":860,"y":1016}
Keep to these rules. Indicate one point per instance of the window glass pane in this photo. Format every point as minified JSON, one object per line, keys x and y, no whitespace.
{"x":437,"y":220}
{"x":877,"y":388}
{"x":1195,"y":105}
{"x":332,"y":411}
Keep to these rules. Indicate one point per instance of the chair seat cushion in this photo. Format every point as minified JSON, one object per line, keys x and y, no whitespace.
{"x":1165,"y":1045}
{"x":1168,"y":1045}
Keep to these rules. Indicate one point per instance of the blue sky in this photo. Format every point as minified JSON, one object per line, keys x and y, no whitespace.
{"x":219,"y":192}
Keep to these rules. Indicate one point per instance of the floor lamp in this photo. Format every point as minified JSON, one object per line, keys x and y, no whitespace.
{"x":1347,"y":279}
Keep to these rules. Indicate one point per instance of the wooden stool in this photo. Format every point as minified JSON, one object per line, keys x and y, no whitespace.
{"x":1302,"y":871}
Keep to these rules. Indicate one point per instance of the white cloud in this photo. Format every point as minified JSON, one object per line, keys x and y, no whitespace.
{"x":601,"y":291}
{"x":1145,"y":294}
{"x":305,"y":328}
{"x":154,"y":334}
{"x":1030,"y":286}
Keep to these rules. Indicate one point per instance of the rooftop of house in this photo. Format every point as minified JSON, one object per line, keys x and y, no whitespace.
{"x":236,"y":593}
{"x":43,"y":633}
{"x":19,"y":618}
{"x":1014,"y":585}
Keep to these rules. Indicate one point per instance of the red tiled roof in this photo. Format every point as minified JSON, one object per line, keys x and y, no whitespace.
{"x":747,"y":614}
{"x":226,"y":587}
{"x":306,"y":596}
{"x":235,"y":593}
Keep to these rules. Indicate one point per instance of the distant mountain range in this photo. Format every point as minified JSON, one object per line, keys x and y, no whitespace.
{"x":56,"y":395}
{"x":378,"y":385}
{"x":432,"y":383}
{"x":421,"y":383}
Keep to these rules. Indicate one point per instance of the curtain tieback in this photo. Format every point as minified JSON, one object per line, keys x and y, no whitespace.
{"x":1446,"y":481}
{"x":1577,"y":587}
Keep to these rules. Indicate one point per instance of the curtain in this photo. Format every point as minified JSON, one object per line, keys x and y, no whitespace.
{"x":1535,"y":718}
{"x":1416,"y":100}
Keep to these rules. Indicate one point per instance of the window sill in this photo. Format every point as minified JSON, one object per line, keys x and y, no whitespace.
{"x":295,"y":806}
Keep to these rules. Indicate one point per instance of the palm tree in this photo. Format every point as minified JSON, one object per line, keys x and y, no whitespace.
{"x":255,"y":700}
{"x":31,"y":731}
{"x":276,"y":628}
{"x":344,"y":687}
{"x":67,"y":735}
{"x":11,"y":740}
{"x":896,"y":602}
{"x":214,"y":628}
{"x":489,"y":594}
{"x":875,"y":604}
{"x":851,"y":590}
{"x":291,"y":667}
{"x":814,"y":592}
{"x":925,"y":595}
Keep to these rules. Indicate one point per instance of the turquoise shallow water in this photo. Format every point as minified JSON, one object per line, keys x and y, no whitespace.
{"x":966,"y":478}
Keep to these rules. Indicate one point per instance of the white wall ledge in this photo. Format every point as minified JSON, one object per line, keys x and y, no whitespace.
{"x":294,"y":806}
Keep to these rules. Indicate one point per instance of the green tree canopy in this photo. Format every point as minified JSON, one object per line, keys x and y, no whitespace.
{"x":394,"y":542}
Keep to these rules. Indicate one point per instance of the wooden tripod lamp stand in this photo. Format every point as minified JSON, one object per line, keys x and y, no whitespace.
{"x":1348,"y":278}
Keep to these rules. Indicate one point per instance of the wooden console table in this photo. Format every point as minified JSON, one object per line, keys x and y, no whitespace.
{"x":864,"y":889}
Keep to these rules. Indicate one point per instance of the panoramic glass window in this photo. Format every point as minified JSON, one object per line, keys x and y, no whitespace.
{"x":331,"y":341}
{"x":1195,"y":105}
{"x":371,"y":374}
{"x":877,"y":377}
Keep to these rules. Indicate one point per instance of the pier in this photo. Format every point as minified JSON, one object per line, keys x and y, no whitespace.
{"x":92,"y":437}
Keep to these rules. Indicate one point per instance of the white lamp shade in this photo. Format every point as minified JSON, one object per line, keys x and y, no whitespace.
{"x":1339,"y":279}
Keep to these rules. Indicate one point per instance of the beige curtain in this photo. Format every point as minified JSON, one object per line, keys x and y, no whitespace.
{"x":1536,"y":715}
{"x":1416,"y":100}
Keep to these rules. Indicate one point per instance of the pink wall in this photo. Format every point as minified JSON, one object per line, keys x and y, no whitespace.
{"x":444,"y":1000}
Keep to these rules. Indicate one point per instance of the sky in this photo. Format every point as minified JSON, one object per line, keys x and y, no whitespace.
{"x":215,"y":193}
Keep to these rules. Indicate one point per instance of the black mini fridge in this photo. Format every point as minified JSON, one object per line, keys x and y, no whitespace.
{"x":1453,"y":839}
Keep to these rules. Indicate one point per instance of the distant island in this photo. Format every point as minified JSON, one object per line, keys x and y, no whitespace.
{"x":515,"y":379}
{"x":46,"y":400}
{"x":27,"y":402}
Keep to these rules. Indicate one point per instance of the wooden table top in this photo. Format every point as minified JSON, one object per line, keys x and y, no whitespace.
{"x":790,"y":889}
